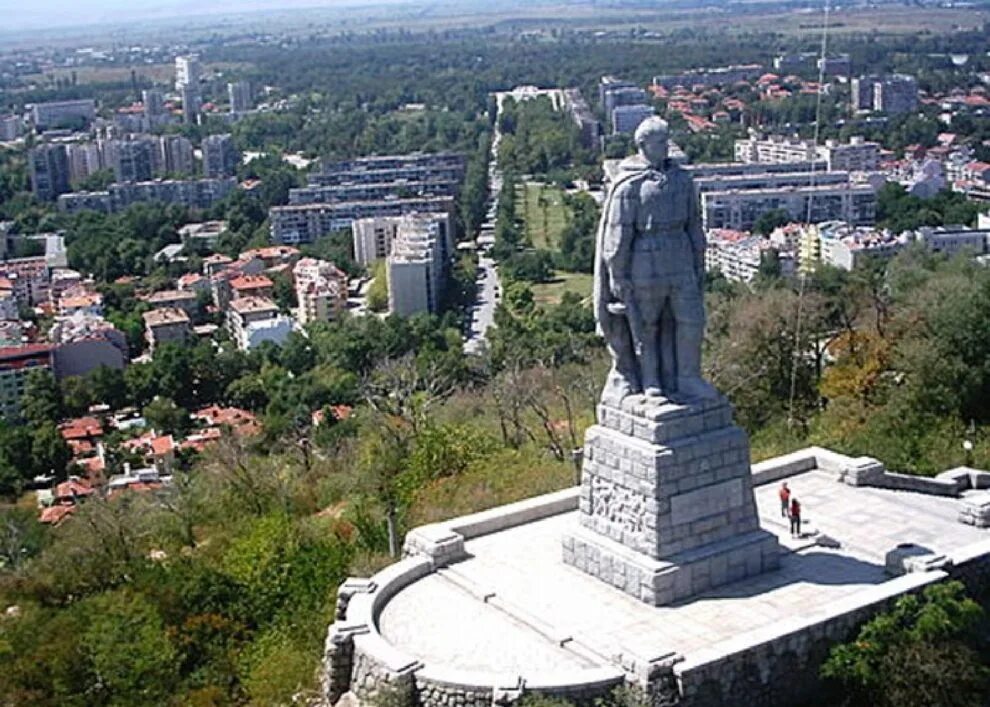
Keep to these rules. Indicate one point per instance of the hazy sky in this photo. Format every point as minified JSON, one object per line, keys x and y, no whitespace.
{"x":41,"y":13}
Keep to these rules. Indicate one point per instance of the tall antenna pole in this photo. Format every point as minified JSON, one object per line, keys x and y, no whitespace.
{"x":802,"y":278}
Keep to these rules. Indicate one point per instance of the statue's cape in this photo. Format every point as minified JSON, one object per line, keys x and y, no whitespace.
{"x":629,"y":169}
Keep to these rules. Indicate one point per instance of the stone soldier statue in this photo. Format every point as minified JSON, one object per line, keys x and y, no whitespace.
{"x":649,"y":276}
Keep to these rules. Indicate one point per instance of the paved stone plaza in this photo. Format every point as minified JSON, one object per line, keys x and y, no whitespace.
{"x":443,"y":618}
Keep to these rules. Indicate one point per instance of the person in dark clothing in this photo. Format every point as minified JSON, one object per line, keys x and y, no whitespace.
{"x":795,"y":516}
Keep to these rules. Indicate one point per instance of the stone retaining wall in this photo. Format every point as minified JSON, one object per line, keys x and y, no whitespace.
{"x":867,"y":471}
{"x":358,"y":660}
{"x":778,"y":666}
{"x":781,"y":667}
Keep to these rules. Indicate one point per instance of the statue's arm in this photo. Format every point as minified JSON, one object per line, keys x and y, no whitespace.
{"x":695,"y":232}
{"x":617,"y":243}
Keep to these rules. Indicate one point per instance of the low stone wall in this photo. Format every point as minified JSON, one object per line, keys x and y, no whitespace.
{"x":358,"y":660}
{"x":971,"y":566}
{"x":867,"y":471}
{"x":779,"y":666}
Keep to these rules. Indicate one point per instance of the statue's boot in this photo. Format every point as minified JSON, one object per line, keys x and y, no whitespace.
{"x":690,"y":384}
{"x":650,"y":366}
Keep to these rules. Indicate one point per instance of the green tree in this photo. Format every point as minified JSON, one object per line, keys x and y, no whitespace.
{"x":16,"y":462}
{"x":21,"y":537}
{"x":77,"y":395}
{"x":769,"y":220}
{"x":529,"y":266}
{"x":42,"y":399}
{"x":918,"y":653}
{"x":165,"y":416}
{"x":378,"y":291}
{"x":131,"y":654}
{"x":49,"y":451}
{"x":109,"y":387}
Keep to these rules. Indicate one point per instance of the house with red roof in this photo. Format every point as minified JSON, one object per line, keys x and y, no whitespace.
{"x":54,"y":515}
{"x":251,"y":286}
{"x":80,"y":429}
{"x":976,"y":172}
{"x":74,"y":490}
{"x":241,"y":422}
{"x":158,"y":451}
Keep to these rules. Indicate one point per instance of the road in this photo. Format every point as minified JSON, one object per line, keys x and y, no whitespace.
{"x":489,"y":284}
{"x":483,"y":312}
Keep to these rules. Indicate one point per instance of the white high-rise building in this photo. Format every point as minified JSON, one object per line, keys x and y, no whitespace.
{"x":415,"y":268}
{"x":857,"y":155}
{"x":373,"y":236}
{"x":188,"y":71}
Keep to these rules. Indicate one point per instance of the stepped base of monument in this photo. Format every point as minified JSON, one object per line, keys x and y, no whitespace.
{"x":678,"y":577}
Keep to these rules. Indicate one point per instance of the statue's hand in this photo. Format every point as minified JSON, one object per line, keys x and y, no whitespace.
{"x":622,"y":289}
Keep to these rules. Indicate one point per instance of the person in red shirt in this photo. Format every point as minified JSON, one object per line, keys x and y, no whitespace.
{"x":785,"y":498}
{"x":795,"y":518}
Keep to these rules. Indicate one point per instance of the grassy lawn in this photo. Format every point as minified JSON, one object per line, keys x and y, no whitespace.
{"x":543,"y":228}
{"x":552,"y":292}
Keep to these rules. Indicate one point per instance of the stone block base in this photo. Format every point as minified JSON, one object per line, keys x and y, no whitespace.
{"x":678,"y":577}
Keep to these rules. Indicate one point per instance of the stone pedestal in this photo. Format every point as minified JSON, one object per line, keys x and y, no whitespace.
{"x":666,"y":508}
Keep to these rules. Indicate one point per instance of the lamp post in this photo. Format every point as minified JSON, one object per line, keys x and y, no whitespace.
{"x":577,"y":456}
{"x":968,"y":449}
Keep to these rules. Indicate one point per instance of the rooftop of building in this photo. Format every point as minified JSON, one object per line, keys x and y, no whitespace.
{"x":189,"y":279}
{"x":205,"y":228}
{"x":164,"y":316}
{"x":171,"y":296}
{"x":81,"y":428}
{"x":22,"y":351}
{"x":341,"y":205}
{"x":76,"y":301}
{"x":217,"y":259}
{"x":216,"y":416}
{"x":271,"y":252}
{"x":250,"y":282}
{"x":72,"y":488}
{"x":252,"y":305}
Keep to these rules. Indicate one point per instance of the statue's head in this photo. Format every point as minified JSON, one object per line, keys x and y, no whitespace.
{"x":652,"y":140}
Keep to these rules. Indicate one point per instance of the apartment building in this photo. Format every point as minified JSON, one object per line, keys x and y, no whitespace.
{"x":306,"y":223}
{"x":16,"y":364}
{"x":373,"y":237}
{"x":321,"y":290}
{"x":63,"y":114}
{"x":254,"y":320}
{"x":415,"y":268}
{"x":163,"y":326}
{"x":739,"y":209}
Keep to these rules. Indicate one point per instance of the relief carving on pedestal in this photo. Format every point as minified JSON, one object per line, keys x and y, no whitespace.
{"x":619,"y":505}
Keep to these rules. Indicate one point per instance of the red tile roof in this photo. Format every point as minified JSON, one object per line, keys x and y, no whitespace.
{"x":73,"y":488}
{"x":251,"y":282}
{"x":93,"y":467}
{"x":161,"y":446}
{"x":81,"y":428}
{"x":53,"y":515}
